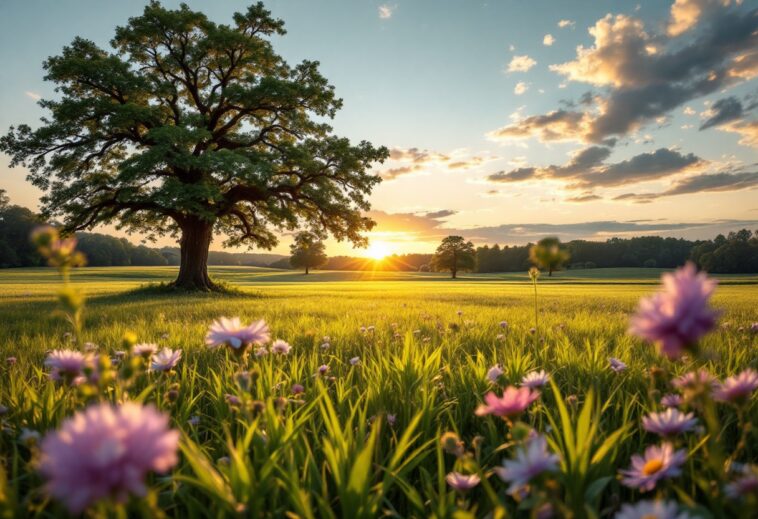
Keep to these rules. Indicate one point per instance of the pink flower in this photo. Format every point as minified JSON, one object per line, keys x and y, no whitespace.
{"x":679,"y":315}
{"x":297,"y":389}
{"x":144,"y":349}
{"x":67,"y":365}
{"x":531,"y":460}
{"x":693,"y":379}
{"x":514,"y":401}
{"x":617,"y":365}
{"x":535,"y":379}
{"x":669,"y":423}
{"x":737,"y":388}
{"x":462,"y":482}
{"x":106,"y":452}
{"x":322,"y":370}
{"x":234,"y":334}
{"x":494,"y":373}
{"x":651,"y":510}
{"x":671,"y":400}
{"x":165,"y":360}
{"x":280,"y":347}
{"x":355,"y":361}
{"x":659,"y":462}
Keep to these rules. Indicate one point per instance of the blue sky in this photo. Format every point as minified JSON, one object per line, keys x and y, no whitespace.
{"x":430,"y":79}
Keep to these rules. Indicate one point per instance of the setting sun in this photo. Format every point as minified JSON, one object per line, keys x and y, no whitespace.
{"x":378,"y":250}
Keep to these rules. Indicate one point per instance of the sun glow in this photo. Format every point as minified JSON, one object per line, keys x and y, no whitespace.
{"x":378,"y":250}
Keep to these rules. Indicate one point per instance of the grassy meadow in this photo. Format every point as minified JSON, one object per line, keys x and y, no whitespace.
{"x":363,"y":440}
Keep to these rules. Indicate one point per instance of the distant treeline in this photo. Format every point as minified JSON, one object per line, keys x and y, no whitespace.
{"x":735,"y":253}
{"x":17,"y":223}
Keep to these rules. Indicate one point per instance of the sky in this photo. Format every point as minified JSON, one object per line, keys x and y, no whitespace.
{"x":506,"y":120}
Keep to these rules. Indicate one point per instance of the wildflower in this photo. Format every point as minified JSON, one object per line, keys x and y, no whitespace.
{"x":737,"y":388}
{"x":165,"y":360}
{"x":617,"y":365}
{"x":29,"y":436}
{"x":106,"y":452}
{"x":669,"y":423}
{"x":462,"y":482}
{"x":391,"y":419}
{"x":534,"y":274}
{"x":693,"y":379}
{"x":90,"y":346}
{"x":232,"y":400}
{"x":459,"y":312}
{"x":679,"y":315}
{"x":260,"y":352}
{"x":355,"y":361}
{"x":659,"y":462}
{"x":322,"y":370}
{"x":297,"y":389}
{"x":10,"y":361}
{"x":67,"y":365}
{"x":671,"y":400}
{"x":651,"y":510}
{"x":3,"y":410}
{"x":145,"y":350}
{"x":503,"y":324}
{"x":234,"y":334}
{"x":500,"y":337}
{"x":535,"y":379}
{"x":532,"y":460}
{"x":494,"y":373}
{"x":513,"y":402}
{"x":325,"y":346}
{"x":452,"y":444}
{"x":119,"y":354}
{"x":745,"y":485}
{"x":754,"y":328}
{"x":280,"y":347}
{"x":194,"y":421}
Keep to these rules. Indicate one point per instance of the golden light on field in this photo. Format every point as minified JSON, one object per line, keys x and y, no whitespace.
{"x":378,"y":250}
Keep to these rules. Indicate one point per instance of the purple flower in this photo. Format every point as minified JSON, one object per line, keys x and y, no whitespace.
{"x":651,"y":510}
{"x":11,"y":361}
{"x":617,"y":365}
{"x":745,"y":485}
{"x":514,"y":401}
{"x":234,"y":334}
{"x":391,"y":419}
{"x":144,"y":349}
{"x":737,"y":388}
{"x":754,"y":328}
{"x":671,"y":400}
{"x":355,"y":361}
{"x":106,"y":452}
{"x":280,"y":347}
{"x":531,"y":460}
{"x":462,"y":482}
{"x":67,"y":365}
{"x":679,"y":315}
{"x":535,"y":379}
{"x":165,"y":360}
{"x":669,"y":423}
{"x":503,"y":324}
{"x":297,"y":389}
{"x":322,"y":370}
{"x":494,"y":373}
{"x":659,"y":462}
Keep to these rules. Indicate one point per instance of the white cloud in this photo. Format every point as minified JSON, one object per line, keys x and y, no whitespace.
{"x":520,"y":88}
{"x":521,"y":64}
{"x":566,"y":23}
{"x":33,"y":95}
{"x":689,"y":111}
{"x":385,"y":11}
{"x":511,"y":47}
{"x":548,"y":40}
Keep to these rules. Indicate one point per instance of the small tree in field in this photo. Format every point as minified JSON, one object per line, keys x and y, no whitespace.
{"x":308,"y":251}
{"x":548,"y":254}
{"x":191,"y":128}
{"x":454,"y":254}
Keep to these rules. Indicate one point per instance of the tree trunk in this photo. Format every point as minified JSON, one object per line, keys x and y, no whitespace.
{"x":193,"y":269}
{"x":306,"y":270}
{"x":454,"y":273}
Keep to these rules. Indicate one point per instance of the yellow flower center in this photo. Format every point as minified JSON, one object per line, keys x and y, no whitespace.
{"x":651,"y":467}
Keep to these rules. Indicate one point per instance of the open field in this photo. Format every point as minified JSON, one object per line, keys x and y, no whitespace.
{"x":423,"y":367}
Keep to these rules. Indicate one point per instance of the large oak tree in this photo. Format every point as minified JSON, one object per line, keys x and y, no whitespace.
{"x":454,"y":254}
{"x":189,"y":127}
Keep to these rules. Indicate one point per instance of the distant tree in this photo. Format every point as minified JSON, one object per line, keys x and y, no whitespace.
{"x":548,"y":254}
{"x":308,"y":251}
{"x":189,"y":127}
{"x":454,"y":254}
